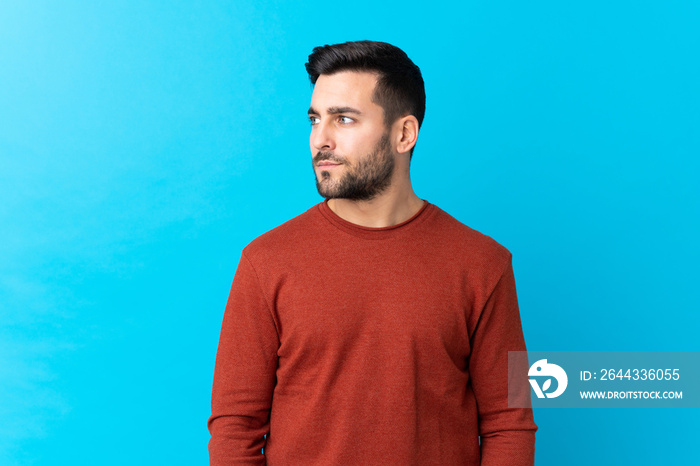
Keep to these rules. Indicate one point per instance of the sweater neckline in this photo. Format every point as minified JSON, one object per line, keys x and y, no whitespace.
{"x":376,"y":232}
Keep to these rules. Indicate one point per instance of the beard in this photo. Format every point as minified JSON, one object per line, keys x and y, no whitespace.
{"x":363,"y":181}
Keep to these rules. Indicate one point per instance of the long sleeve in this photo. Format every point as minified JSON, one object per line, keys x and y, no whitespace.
{"x":507,"y":434}
{"x":244,"y":374}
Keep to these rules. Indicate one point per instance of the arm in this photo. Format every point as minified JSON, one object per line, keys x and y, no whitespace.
{"x":244,"y":374}
{"x":507,"y":434}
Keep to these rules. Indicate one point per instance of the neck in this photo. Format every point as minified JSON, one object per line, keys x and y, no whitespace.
{"x":396,"y":204}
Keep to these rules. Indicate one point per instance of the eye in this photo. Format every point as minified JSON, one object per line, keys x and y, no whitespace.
{"x":313,"y":120}
{"x":345,"y":120}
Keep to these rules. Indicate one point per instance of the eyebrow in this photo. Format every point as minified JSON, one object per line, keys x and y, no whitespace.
{"x":336,"y":110}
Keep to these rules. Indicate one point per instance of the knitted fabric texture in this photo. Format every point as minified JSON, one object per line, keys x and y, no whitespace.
{"x":350,"y":345}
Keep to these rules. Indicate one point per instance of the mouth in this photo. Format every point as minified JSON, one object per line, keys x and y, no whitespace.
{"x":326,"y":164}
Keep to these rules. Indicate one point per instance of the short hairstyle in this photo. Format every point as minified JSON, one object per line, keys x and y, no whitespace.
{"x":400,"y":90}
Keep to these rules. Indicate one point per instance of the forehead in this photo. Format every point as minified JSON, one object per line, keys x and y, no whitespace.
{"x":345,"y":88}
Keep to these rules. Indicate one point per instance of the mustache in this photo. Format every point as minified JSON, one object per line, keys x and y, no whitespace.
{"x":323,"y":156}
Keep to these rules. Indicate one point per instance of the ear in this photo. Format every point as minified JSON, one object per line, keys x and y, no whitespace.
{"x":406,"y":133}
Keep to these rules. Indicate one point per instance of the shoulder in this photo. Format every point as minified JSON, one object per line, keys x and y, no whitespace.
{"x":481,"y":249}
{"x":284,"y":238}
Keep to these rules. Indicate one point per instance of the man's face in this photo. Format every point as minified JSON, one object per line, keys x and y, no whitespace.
{"x":352,"y":153}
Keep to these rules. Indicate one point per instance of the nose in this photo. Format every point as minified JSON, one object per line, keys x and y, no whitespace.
{"x":322,"y":136}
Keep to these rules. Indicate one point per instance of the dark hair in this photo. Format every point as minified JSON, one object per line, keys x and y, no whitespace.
{"x":400,"y":89}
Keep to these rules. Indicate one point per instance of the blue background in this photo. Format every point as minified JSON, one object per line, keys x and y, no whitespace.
{"x":144,"y":144}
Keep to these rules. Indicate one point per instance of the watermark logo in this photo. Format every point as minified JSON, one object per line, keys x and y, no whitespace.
{"x":603,"y":379}
{"x":542,"y":368}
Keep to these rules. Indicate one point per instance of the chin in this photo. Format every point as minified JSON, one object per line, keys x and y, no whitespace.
{"x":324,"y":175}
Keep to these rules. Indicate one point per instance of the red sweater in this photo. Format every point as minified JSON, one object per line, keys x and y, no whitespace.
{"x":350,"y":345}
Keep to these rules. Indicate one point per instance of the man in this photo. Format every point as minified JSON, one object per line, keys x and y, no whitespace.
{"x":374,"y":328}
